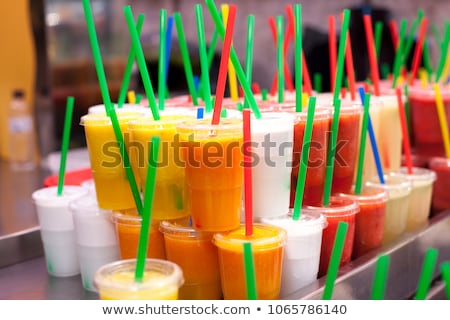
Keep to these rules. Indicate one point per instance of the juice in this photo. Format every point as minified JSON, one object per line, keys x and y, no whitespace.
{"x":441,"y":187}
{"x":195,"y":253}
{"x":214,"y":172}
{"x":161,"y":281}
{"x":268,"y":244}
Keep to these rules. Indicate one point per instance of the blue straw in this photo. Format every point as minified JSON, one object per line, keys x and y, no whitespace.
{"x":200,"y":113}
{"x":196,"y":82}
{"x":373,"y":141}
{"x":168,"y":45}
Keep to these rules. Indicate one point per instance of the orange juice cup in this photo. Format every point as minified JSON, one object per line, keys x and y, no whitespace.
{"x":214,"y":173}
{"x":268,"y":246}
{"x":195,"y":253}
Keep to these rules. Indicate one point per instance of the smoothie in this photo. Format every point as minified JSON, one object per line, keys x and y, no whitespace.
{"x":441,"y":187}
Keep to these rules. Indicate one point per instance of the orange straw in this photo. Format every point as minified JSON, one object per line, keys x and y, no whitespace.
{"x":406,"y":144}
{"x":332,"y":49}
{"x":372,"y":54}
{"x":220,"y":89}
{"x":248,"y":173}
{"x":418,"y":51}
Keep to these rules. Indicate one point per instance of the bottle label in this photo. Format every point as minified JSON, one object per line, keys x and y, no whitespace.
{"x":20,"y":124}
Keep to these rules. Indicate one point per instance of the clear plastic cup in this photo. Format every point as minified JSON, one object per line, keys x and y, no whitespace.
{"x":89,"y":185}
{"x":302,"y":250}
{"x":420,"y":199}
{"x":162,"y":280}
{"x":195,"y":253}
{"x":96,"y":239}
{"x":100,"y":108}
{"x":398,"y":189}
{"x":268,"y":243}
{"x":340,"y":209}
{"x":441,"y":187}
{"x":57,"y":229}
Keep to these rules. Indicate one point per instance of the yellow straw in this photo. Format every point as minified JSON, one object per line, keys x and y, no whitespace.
{"x":446,"y":72}
{"x":304,"y":99}
{"x":442,"y":120}
{"x":231,"y":72}
{"x":131,"y":97}
{"x":423,"y":77}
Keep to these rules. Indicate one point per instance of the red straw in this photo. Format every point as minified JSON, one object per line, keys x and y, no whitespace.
{"x":405,"y":139}
{"x":350,"y":66}
{"x":332,"y":49}
{"x":372,"y":54}
{"x":394,"y":33}
{"x":418,"y":51}
{"x":248,"y":174}
{"x":220,"y":89}
{"x":256,"y":88}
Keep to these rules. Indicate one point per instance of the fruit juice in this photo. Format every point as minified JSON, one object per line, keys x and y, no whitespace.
{"x":161,"y":281}
{"x":369,"y":224}
{"x":170,"y":202}
{"x":398,"y":189}
{"x":267,"y":246}
{"x":195,"y":253}
{"x":214,"y":172}
{"x":441,"y":187}
{"x":340,"y":209}
{"x":111,"y":183}
{"x":128,"y":228}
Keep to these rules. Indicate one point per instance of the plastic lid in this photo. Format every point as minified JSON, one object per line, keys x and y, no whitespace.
{"x":395,"y":185}
{"x":368,"y":195}
{"x":101,"y":119}
{"x":418,"y":174}
{"x":308,"y":220}
{"x":166,"y":121}
{"x":338,"y":207}
{"x":48,"y":196}
{"x":203,"y":129}
{"x":176,"y":229}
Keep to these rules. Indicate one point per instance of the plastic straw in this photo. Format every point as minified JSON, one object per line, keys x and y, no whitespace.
{"x":162,"y":58}
{"x":426,"y":275}
{"x":409,"y":40}
{"x":280,"y":58}
{"x":443,"y":56}
{"x":350,"y":68}
{"x":147,"y":211}
{"x":264,"y":94}
{"x":445,"y":269}
{"x":138,"y":98}
{"x":372,"y":54}
{"x":427,"y":59}
{"x":65,"y":144}
{"x":442,"y":120}
{"x":249,"y":267}
{"x":185,"y":56}
{"x":304,"y":159}
{"x":212,"y":47}
{"x":129,"y":66}
{"x":335,"y":259}
{"x":200,"y":113}
{"x":306,"y":77}
{"x":394,"y":33}
{"x":317,"y":82}
{"x":332,"y":50}
{"x":231,"y":72}
{"x":298,"y":58}
{"x":380,"y":278}
{"x":221,"y":81}
{"x":404,"y":126}
{"x":131,"y":97}
{"x":205,"y":83}
{"x":249,"y":53}
{"x":418,"y":50}
{"x":234,"y":59}
{"x":399,"y":53}
{"x":436,"y":33}
{"x":168,"y":48}
{"x":141,"y":62}
{"x":378,"y":36}
{"x":362,"y":146}
{"x":341,"y":54}
{"x":248,"y":187}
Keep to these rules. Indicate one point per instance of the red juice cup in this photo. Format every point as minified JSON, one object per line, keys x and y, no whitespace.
{"x":340,"y":209}
{"x":441,"y":188}
{"x":369,"y":225}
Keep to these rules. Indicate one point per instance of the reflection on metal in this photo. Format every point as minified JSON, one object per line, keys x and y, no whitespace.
{"x":20,"y":246}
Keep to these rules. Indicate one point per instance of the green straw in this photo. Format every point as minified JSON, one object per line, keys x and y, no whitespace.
{"x":410,"y":38}
{"x":234,"y":59}
{"x":185,"y":56}
{"x":264,"y":94}
{"x":138,"y":98}
{"x":141,"y":62}
{"x":317,"y":78}
{"x":249,"y":266}
{"x":362,"y":146}
{"x":203,"y":58}
{"x":212,"y":47}
{"x":280,"y":58}
{"x":129,"y":66}
{"x":147,"y":211}
{"x":249,"y":52}
{"x":162,"y":58}
{"x":378,"y":34}
{"x":385,"y":69}
{"x":331,"y":153}
{"x":426,"y":276}
{"x":445,"y":269}
{"x":380,"y":277}
{"x":436,"y":33}
{"x":298,"y":58}
{"x":341,"y":55}
{"x":427,"y":59}
{"x":335,"y":259}
{"x":65,"y":144}
{"x":444,"y":50}
{"x":304,"y":160}
{"x":399,"y":52}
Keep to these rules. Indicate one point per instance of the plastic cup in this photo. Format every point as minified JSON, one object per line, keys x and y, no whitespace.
{"x":441,"y":187}
{"x":170,"y":202}
{"x":128,"y":107}
{"x":95,"y":236}
{"x":420,"y":198}
{"x":162,"y":280}
{"x":425,"y":122}
{"x":398,"y":189}
{"x":128,"y":229}
{"x":268,"y":245}
{"x":271,"y":172}
{"x":302,"y":250}
{"x":340,"y":209}
{"x":214,"y":172}
{"x":369,"y":224}
{"x":57,"y":229}
{"x":89,"y":185}
{"x":111,"y":183}
{"x":195,"y":253}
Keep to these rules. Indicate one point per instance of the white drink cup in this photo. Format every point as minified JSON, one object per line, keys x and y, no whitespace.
{"x":95,"y":237}
{"x":57,"y":229}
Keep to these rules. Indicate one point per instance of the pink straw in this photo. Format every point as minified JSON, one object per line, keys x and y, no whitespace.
{"x":418,"y":51}
{"x":372,"y":54}
{"x":406,"y":145}
{"x":248,"y":196}
{"x":332,"y":49}
{"x":220,"y":89}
